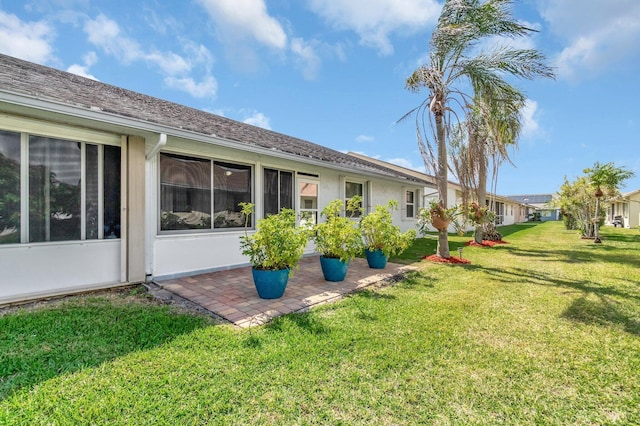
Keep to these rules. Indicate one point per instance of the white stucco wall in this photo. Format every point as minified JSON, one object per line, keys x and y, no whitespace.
{"x":170,"y":254}
{"x":44,"y":269}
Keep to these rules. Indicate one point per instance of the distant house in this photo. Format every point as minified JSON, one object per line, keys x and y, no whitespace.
{"x":507,"y":211}
{"x":101,"y":186}
{"x":538,"y":205}
{"x":626,"y":208}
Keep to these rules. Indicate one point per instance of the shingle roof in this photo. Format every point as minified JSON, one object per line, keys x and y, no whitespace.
{"x":44,"y":83}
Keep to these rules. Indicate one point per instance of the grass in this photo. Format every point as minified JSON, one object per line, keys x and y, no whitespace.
{"x":544,"y":330}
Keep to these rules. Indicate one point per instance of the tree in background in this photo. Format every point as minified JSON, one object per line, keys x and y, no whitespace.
{"x":459,"y":69}
{"x":575,"y":200}
{"x":9,"y":200}
{"x":606,"y":180}
{"x":582,"y":201}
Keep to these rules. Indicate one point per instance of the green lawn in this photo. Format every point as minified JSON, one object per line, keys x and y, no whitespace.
{"x":544,"y":330}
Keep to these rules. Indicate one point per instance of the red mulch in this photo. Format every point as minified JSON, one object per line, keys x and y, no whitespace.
{"x":452,"y":259}
{"x":485,"y":243}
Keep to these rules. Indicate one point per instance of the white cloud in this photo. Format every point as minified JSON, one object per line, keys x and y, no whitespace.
{"x":258,"y":119}
{"x":26,"y":40}
{"x":246,"y":19}
{"x":403,"y":162}
{"x":375,"y":20}
{"x":530,"y":126}
{"x":307,"y":57}
{"x":169,"y":62}
{"x":206,"y":88}
{"x":83,"y":70}
{"x":105,"y":33}
{"x":364,"y":138}
{"x":80,"y":70}
{"x":598,"y":36}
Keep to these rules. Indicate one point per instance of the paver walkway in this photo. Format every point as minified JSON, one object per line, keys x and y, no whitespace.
{"x":231,"y":294}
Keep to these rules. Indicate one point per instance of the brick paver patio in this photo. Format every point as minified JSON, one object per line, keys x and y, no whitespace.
{"x":231,"y":294}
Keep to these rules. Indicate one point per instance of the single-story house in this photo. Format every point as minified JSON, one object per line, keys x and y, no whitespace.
{"x":507,"y":211}
{"x":538,"y":205}
{"x":102,"y":186}
{"x":627,"y":208}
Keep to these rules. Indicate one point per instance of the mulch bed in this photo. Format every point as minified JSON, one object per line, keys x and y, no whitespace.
{"x":485,"y":243}
{"x":453,"y":259}
{"x":458,"y":260}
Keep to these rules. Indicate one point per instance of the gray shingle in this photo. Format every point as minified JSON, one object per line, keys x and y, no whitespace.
{"x":22,"y":77}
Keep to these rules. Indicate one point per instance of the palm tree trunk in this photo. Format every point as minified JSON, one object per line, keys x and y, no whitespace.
{"x":441,"y":181}
{"x":482,"y":189}
{"x":596,"y":223}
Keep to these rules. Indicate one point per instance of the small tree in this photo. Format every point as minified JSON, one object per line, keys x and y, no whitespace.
{"x":277,"y":242}
{"x":380,"y":233}
{"x":582,"y":200}
{"x":338,"y":237}
{"x":606,"y":180}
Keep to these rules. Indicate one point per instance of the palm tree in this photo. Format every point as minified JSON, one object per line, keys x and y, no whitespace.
{"x":488,"y":131}
{"x":457,"y":67}
{"x":605,"y":178}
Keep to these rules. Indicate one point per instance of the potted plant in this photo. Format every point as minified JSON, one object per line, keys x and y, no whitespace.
{"x":337,"y":238}
{"x":382,"y":238}
{"x":274,"y":250}
{"x":437,"y":216}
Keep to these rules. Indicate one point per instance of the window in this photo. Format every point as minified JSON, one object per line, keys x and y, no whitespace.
{"x":308,"y":193}
{"x":232,"y":185}
{"x":185,"y":193}
{"x":54,"y":189}
{"x":410,"y":204}
{"x":192,"y":188}
{"x":278,"y":191}
{"x":9,"y":187}
{"x":65,"y":187}
{"x":351,"y":189}
{"x":499,"y":210}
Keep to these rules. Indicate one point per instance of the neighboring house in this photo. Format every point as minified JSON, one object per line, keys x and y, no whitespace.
{"x":507,"y":210}
{"x":626,"y":208}
{"x":538,"y":203}
{"x":101,"y":186}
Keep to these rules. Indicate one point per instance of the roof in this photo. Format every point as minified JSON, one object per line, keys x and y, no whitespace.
{"x":631,"y":194}
{"x":27,"y":79}
{"x":421,"y":175}
{"x":417,"y":174}
{"x":532,"y":198}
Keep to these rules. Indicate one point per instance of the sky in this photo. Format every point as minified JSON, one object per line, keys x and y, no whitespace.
{"x":333,"y":71}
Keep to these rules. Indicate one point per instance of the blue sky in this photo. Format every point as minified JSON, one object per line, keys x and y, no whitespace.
{"x":333,"y":71}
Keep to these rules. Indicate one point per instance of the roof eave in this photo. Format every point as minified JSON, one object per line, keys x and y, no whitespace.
{"x":141,"y":126}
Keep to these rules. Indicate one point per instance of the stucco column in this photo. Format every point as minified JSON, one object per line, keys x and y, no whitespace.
{"x":135,"y":209}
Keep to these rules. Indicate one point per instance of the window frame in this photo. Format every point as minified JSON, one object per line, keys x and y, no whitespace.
{"x":305,"y":179}
{"x":26,"y":128}
{"x":365,"y":185}
{"x":279,"y":184}
{"x":211,"y":160}
{"x":415,"y":204}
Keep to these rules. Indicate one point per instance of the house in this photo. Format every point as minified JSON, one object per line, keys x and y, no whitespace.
{"x":101,"y":186}
{"x":507,"y":210}
{"x":538,"y":206}
{"x":627,"y":208}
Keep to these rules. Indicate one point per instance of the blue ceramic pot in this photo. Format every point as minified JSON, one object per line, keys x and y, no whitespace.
{"x":270,"y":284}
{"x":333,"y":269}
{"x":376,"y":259}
